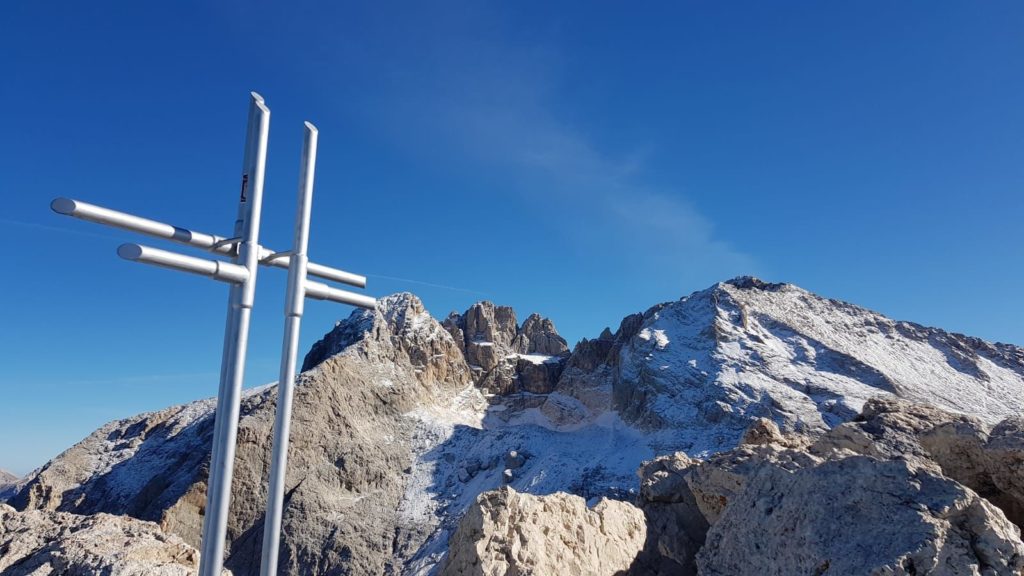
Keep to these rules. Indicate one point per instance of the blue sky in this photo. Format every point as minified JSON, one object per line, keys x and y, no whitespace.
{"x":583,"y":160}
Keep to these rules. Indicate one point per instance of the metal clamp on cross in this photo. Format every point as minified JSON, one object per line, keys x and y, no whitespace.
{"x":240,"y":273}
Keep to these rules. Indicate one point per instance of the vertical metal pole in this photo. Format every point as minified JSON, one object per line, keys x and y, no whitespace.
{"x":236,"y":338}
{"x":286,"y":382}
{"x":229,"y":327}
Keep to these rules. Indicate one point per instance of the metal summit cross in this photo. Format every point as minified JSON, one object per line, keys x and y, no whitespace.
{"x":240,"y":273}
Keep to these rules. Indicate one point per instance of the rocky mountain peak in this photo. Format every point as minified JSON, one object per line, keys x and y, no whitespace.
{"x":504,"y":356}
{"x":400,"y":326}
{"x":539,"y":336}
{"x":8,"y":483}
{"x":751,"y":282}
{"x":393,"y":438}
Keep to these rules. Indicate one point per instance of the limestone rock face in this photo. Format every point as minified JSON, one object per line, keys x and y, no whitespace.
{"x":489,"y":331}
{"x":1005,"y":458}
{"x":955,"y":445}
{"x":859,"y":515}
{"x":350,"y":445}
{"x":414,"y":336}
{"x":591,"y":372}
{"x":392,"y":439}
{"x":7,"y":484}
{"x":539,"y":376}
{"x":682,"y":496}
{"x":505,"y":532}
{"x":539,"y":336}
{"x":716,"y":482}
{"x":506,"y":358}
{"x":42,"y":543}
{"x":675,"y":524}
{"x":762,"y":431}
{"x":780,"y":505}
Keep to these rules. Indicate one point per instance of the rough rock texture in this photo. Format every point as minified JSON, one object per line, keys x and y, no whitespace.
{"x":41,"y":543}
{"x":507,"y":358}
{"x":489,"y":331}
{"x":350,"y":444}
{"x":773,"y":507}
{"x":8,"y":482}
{"x":676,"y":527}
{"x":506,"y":532}
{"x":859,"y":515}
{"x":539,"y":336}
{"x":955,"y":445}
{"x":762,"y":431}
{"x":1005,"y":459}
{"x":393,"y":439}
{"x":682,"y":496}
{"x":708,"y":364}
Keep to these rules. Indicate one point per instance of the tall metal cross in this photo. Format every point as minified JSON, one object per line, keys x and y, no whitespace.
{"x":240,"y":273}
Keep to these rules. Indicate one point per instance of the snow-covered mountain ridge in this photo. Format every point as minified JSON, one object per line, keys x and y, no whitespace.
{"x":746,"y":346}
{"x":401,"y":420}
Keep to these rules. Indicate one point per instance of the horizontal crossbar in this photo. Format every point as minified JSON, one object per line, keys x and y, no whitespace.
{"x":216,"y":269}
{"x":211,"y":242}
{"x":321,"y":291}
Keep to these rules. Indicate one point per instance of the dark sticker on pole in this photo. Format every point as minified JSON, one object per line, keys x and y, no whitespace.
{"x":245,"y":183}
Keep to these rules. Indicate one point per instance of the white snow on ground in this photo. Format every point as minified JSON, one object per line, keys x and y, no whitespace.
{"x":460,"y":452}
{"x":128,"y":461}
{"x":918,"y":363}
{"x":537,"y":359}
{"x":706,"y":364}
{"x":691,"y":378}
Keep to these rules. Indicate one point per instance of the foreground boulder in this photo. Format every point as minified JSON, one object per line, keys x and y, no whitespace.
{"x":506,"y":532}
{"x":989,"y":461}
{"x":43,"y":543}
{"x":885,"y":494}
{"x":859,"y":515}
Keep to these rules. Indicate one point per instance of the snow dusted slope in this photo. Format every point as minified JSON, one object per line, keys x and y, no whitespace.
{"x":746,"y":348}
{"x":8,"y":482}
{"x":395,"y":432}
{"x":865,"y":349}
{"x":691,"y":375}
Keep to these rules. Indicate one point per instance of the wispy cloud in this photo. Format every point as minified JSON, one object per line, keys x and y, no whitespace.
{"x":488,"y":103}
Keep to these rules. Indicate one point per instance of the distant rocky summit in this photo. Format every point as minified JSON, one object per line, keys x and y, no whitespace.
{"x":7,"y":484}
{"x":799,"y":408}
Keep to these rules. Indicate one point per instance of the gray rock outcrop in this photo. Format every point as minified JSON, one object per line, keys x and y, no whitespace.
{"x":8,"y":484}
{"x":1004,"y":453}
{"x":349,"y":448}
{"x":44,"y":543}
{"x":985,"y":459}
{"x":506,"y":358}
{"x":539,"y":336}
{"x":392,"y":439}
{"x":866,"y":499}
{"x":488,"y":333}
{"x":859,"y":515}
{"x":505,"y":532}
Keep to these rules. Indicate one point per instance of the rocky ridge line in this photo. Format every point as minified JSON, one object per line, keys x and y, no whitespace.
{"x":887,"y":494}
